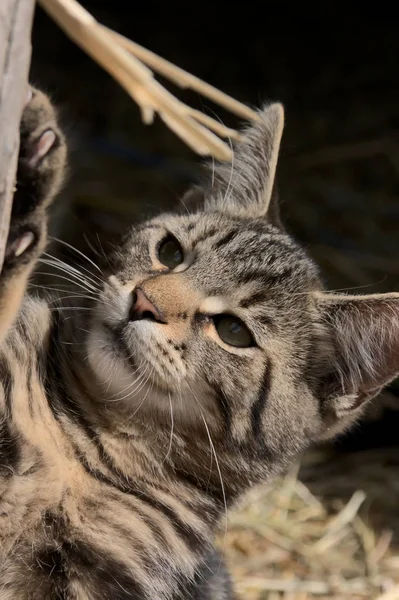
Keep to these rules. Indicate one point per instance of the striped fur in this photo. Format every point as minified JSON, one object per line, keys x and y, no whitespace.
{"x":122,"y":442}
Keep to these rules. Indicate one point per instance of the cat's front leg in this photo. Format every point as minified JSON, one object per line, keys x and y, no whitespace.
{"x":41,"y":167}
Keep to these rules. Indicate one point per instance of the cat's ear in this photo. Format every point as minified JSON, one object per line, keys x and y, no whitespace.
{"x":362,"y":351}
{"x":245,"y":186}
{"x":273,"y":215}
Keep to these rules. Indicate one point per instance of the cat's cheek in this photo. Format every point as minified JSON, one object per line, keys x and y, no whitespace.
{"x":114,"y":302}
{"x":111,"y":372}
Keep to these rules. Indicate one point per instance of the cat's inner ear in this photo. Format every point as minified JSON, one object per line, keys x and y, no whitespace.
{"x":362,"y":349}
{"x":245,"y":186}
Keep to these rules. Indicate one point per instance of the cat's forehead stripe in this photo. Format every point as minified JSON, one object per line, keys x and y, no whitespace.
{"x":242,"y":238}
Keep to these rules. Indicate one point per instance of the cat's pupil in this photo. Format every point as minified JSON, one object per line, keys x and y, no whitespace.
{"x":170,"y":253}
{"x":232,"y":331}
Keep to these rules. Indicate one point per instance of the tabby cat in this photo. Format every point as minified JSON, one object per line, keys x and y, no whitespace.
{"x":198,"y":360}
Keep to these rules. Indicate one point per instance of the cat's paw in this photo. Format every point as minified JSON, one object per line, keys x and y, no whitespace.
{"x":41,"y":167}
{"x":42,"y":155}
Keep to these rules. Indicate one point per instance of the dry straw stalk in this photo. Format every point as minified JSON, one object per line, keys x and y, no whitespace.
{"x":131,"y":64}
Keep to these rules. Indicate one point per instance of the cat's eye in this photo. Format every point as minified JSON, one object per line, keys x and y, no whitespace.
{"x":232,"y":331}
{"x":170,"y":252}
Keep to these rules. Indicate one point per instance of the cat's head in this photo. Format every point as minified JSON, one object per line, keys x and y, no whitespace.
{"x":218,"y":317}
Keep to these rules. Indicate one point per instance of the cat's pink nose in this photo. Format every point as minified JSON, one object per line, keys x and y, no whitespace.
{"x":143,"y":308}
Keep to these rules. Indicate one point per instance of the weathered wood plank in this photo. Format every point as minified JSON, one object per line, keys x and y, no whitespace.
{"x":15,"y":51}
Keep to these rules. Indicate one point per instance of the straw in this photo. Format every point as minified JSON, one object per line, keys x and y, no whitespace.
{"x":124,"y":61}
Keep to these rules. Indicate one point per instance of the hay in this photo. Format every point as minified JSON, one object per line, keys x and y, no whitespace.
{"x":127,"y":62}
{"x":323,"y":539}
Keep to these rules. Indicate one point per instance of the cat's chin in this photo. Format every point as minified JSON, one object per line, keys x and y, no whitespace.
{"x":130,"y":386}
{"x":121,"y":365}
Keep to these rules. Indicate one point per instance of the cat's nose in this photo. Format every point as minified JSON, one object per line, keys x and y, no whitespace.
{"x":142,"y":308}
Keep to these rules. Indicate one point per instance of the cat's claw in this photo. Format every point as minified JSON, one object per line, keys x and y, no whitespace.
{"x":41,"y":148}
{"x":20,"y":245}
{"x":29,"y":96}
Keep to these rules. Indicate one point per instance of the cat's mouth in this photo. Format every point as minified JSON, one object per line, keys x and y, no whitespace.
{"x":140,"y":354}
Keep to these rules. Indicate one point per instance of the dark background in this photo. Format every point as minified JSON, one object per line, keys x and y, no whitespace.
{"x":335,"y":68}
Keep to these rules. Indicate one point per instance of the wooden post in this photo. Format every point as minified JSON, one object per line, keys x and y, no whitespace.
{"x":16,"y":18}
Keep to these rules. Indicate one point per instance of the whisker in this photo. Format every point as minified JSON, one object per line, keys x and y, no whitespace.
{"x":61,"y":298}
{"x":213,"y":450}
{"x":69,"y":308}
{"x":146,"y":395}
{"x":60,"y":264}
{"x":89,"y":288}
{"x":229,"y":186}
{"x":144,"y":383}
{"x":90,"y":246}
{"x":184,"y":205}
{"x":102,"y":249}
{"x":78,"y":252}
{"x":53,"y":289}
{"x":132,"y":387}
{"x":171,"y":429}
{"x":92,"y":276}
{"x":63,"y":267}
{"x":220,"y":475}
